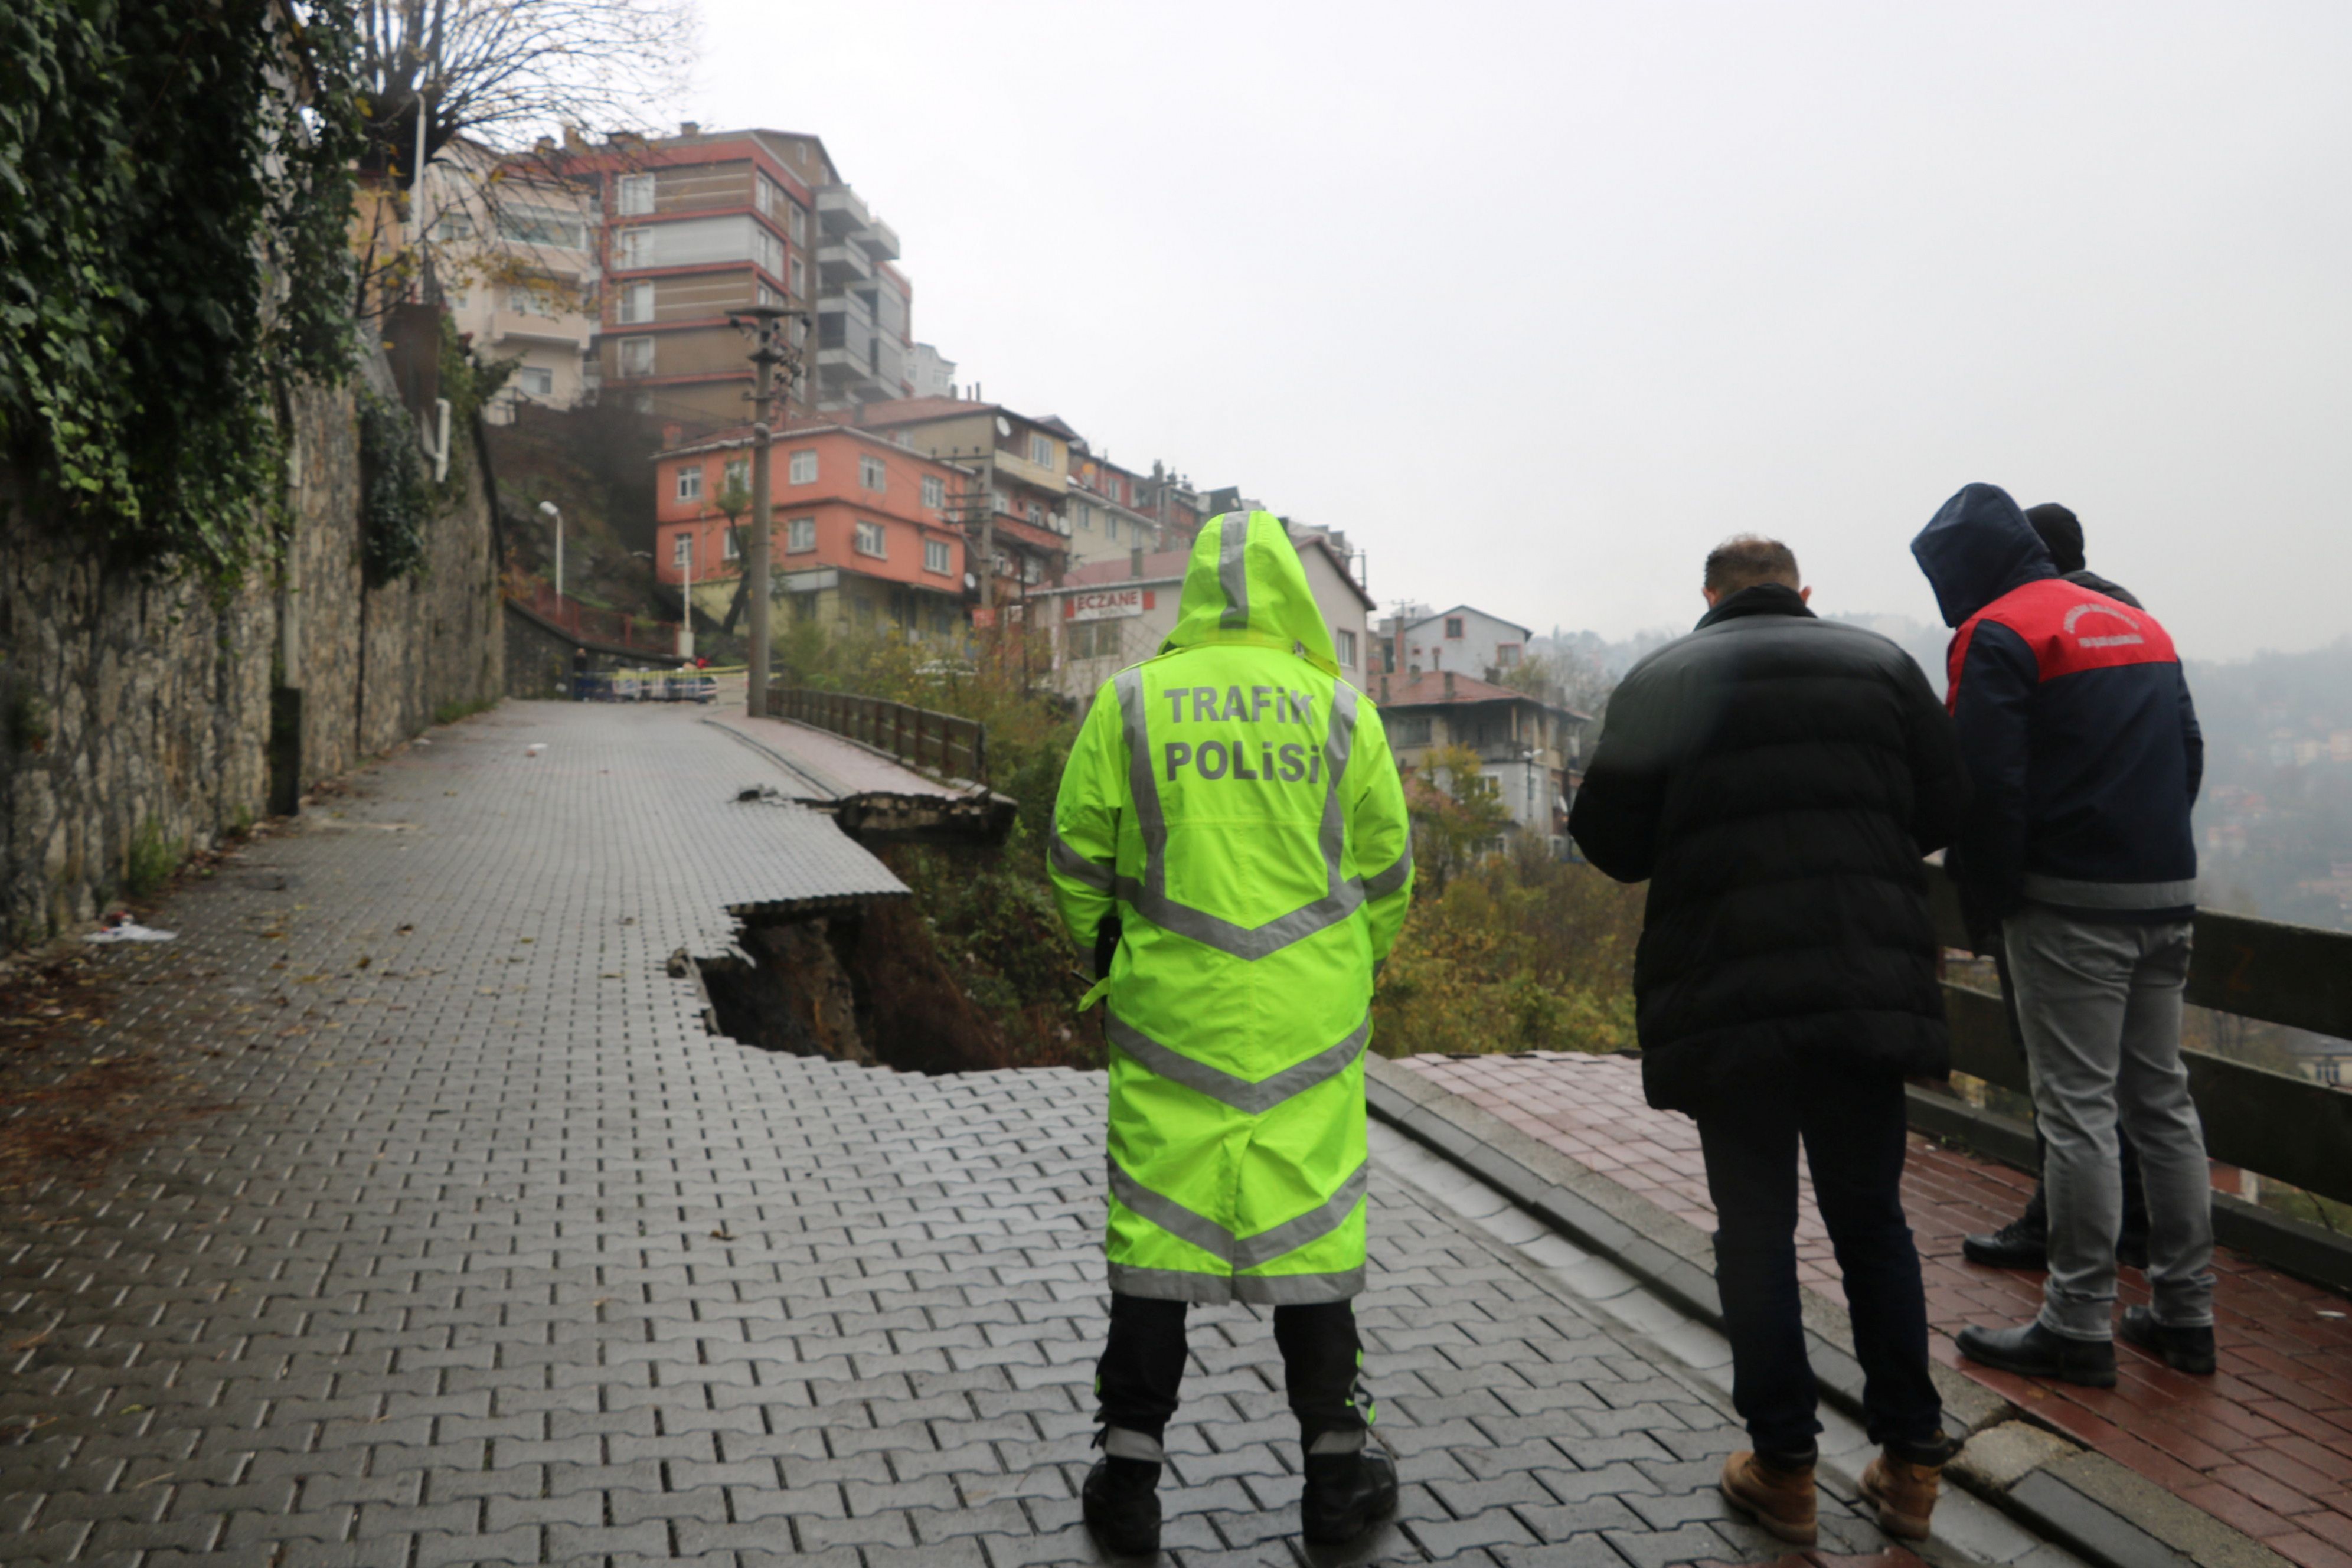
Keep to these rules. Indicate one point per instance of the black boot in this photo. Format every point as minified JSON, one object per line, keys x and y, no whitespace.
{"x":2023,"y":1243}
{"x":2033,"y":1350}
{"x":1345,"y":1493}
{"x":1121,"y":1501}
{"x":2181,"y":1349}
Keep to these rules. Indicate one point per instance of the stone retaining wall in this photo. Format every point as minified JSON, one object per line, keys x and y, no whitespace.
{"x":136,"y":710}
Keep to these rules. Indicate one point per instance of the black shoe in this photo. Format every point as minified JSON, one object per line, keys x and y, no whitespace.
{"x":2181,"y":1349}
{"x":1345,"y":1493}
{"x":1122,"y":1507}
{"x":2033,"y":1350}
{"x":2023,"y":1243}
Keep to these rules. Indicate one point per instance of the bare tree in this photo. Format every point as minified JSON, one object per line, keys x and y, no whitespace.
{"x":490,"y":79}
{"x":506,"y":71}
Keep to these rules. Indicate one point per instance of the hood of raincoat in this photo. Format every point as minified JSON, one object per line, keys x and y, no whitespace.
{"x":1245,"y":583}
{"x":1977,"y":547}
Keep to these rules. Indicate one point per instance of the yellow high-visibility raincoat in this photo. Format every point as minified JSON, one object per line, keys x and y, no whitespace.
{"x":1234,"y":802}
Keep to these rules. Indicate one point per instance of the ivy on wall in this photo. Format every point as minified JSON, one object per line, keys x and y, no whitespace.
{"x":173,"y":244}
{"x":395,"y":494}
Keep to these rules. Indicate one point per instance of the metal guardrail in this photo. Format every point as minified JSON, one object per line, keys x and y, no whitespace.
{"x":2272,"y":1123}
{"x":955,"y":747}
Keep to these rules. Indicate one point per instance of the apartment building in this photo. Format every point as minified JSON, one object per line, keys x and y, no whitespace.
{"x":1525,"y":748}
{"x":864,"y":537}
{"x":1017,"y":515}
{"x":698,"y":226}
{"x":1465,"y":640}
{"x":1106,"y":523}
{"x":1172,"y":504}
{"x":931,"y":373}
{"x":1107,"y":614}
{"x":514,"y":253}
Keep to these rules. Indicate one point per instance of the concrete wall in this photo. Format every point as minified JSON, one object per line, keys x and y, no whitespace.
{"x":135,"y":705}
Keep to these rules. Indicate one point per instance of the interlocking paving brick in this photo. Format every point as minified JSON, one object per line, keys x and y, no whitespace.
{"x":442,"y":1286}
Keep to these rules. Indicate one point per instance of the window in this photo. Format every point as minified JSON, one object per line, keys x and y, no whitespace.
{"x":804,"y":468}
{"x":681,"y":552}
{"x":769,"y":297}
{"x":935,"y":491}
{"x":800,"y":536}
{"x":1041,"y":451}
{"x":1036,"y":513}
{"x":1110,"y":526}
{"x":1346,"y":641}
{"x":689,"y":483}
{"x":936,"y":556}
{"x":871,"y":474}
{"x":456,"y":225}
{"x":1506,"y":654}
{"x":872,"y":541}
{"x":1031,"y":570}
{"x":769,"y":252}
{"x":1092,"y":639}
{"x":633,"y":247}
{"x":1454,"y":625}
{"x":1119,"y":490}
{"x":1412,"y":730}
{"x":535,"y":381}
{"x":766,"y":196}
{"x":739,"y":476}
{"x":542,"y":226}
{"x":637,"y":195}
{"x":799,"y":285}
{"x":635,"y":303}
{"x":731,"y":546}
{"x":636,"y":356}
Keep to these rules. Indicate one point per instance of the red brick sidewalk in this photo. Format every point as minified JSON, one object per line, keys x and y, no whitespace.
{"x":2265,"y":1446}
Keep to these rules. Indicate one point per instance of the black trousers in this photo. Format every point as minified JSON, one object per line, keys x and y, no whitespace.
{"x":1143,"y":1363}
{"x":1852,"y":1132}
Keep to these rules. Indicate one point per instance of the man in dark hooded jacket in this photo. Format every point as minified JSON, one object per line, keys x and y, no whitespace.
{"x":2024,"y":1242}
{"x":1778,"y":778}
{"x":2083,"y":749}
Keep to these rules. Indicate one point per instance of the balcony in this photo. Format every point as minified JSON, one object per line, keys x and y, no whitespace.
{"x":841,"y":265}
{"x":880,"y":240}
{"x":840,"y":212}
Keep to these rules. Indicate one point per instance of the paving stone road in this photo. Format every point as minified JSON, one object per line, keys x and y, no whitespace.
{"x":497,"y":1256}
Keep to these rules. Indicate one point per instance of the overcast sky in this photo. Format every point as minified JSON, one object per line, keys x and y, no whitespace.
{"x":1539,"y":302}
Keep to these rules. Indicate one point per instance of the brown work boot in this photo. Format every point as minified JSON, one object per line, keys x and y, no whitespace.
{"x":1781,"y":1499}
{"x":1904,"y":1493}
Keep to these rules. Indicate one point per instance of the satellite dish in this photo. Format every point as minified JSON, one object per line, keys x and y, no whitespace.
{"x":1004,"y":426}
{"x":971,"y":582}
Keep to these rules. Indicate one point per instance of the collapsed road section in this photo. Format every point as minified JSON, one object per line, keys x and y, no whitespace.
{"x":854,"y":977}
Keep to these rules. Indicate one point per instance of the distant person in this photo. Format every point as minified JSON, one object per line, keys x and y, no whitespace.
{"x":579,"y":674}
{"x":2083,"y":746}
{"x":1230,"y":844}
{"x":1779,"y":780}
{"x":2024,"y":1242}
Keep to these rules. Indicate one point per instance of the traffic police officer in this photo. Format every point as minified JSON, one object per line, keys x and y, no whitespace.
{"x":1231,"y":841}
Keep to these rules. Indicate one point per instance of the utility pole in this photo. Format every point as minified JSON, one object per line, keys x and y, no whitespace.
{"x":768,"y":350}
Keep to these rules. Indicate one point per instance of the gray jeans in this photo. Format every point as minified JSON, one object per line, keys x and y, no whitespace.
{"x":2099,"y":1003}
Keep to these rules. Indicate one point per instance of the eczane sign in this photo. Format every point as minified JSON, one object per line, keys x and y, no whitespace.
{"x":1106,"y":604}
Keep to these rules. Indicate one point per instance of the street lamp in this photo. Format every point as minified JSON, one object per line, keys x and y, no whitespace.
{"x":550,"y":509}
{"x":686,"y":621}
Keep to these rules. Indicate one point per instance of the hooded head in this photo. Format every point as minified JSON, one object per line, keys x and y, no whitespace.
{"x":2060,"y":530}
{"x":1245,"y":585}
{"x":1977,"y":547}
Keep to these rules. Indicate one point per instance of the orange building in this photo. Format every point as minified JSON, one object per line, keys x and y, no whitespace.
{"x":864,"y":537}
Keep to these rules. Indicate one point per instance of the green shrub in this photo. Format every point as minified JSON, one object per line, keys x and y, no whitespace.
{"x":153,"y":857}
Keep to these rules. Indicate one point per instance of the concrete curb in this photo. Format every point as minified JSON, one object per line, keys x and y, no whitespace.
{"x":2081,"y":1499}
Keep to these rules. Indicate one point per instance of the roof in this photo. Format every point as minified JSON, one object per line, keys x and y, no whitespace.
{"x":1168,"y":566}
{"x":742,"y":436}
{"x":1429,"y":691}
{"x":1471,"y":610}
{"x":919,"y":410}
{"x":1159,"y":566}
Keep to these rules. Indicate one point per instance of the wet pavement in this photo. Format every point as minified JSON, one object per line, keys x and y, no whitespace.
{"x":494,"y":1253}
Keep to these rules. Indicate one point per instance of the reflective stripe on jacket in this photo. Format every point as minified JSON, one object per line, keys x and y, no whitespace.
{"x":1234,"y":802}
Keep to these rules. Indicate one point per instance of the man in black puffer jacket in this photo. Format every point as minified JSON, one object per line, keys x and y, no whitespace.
{"x":1778,"y":779}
